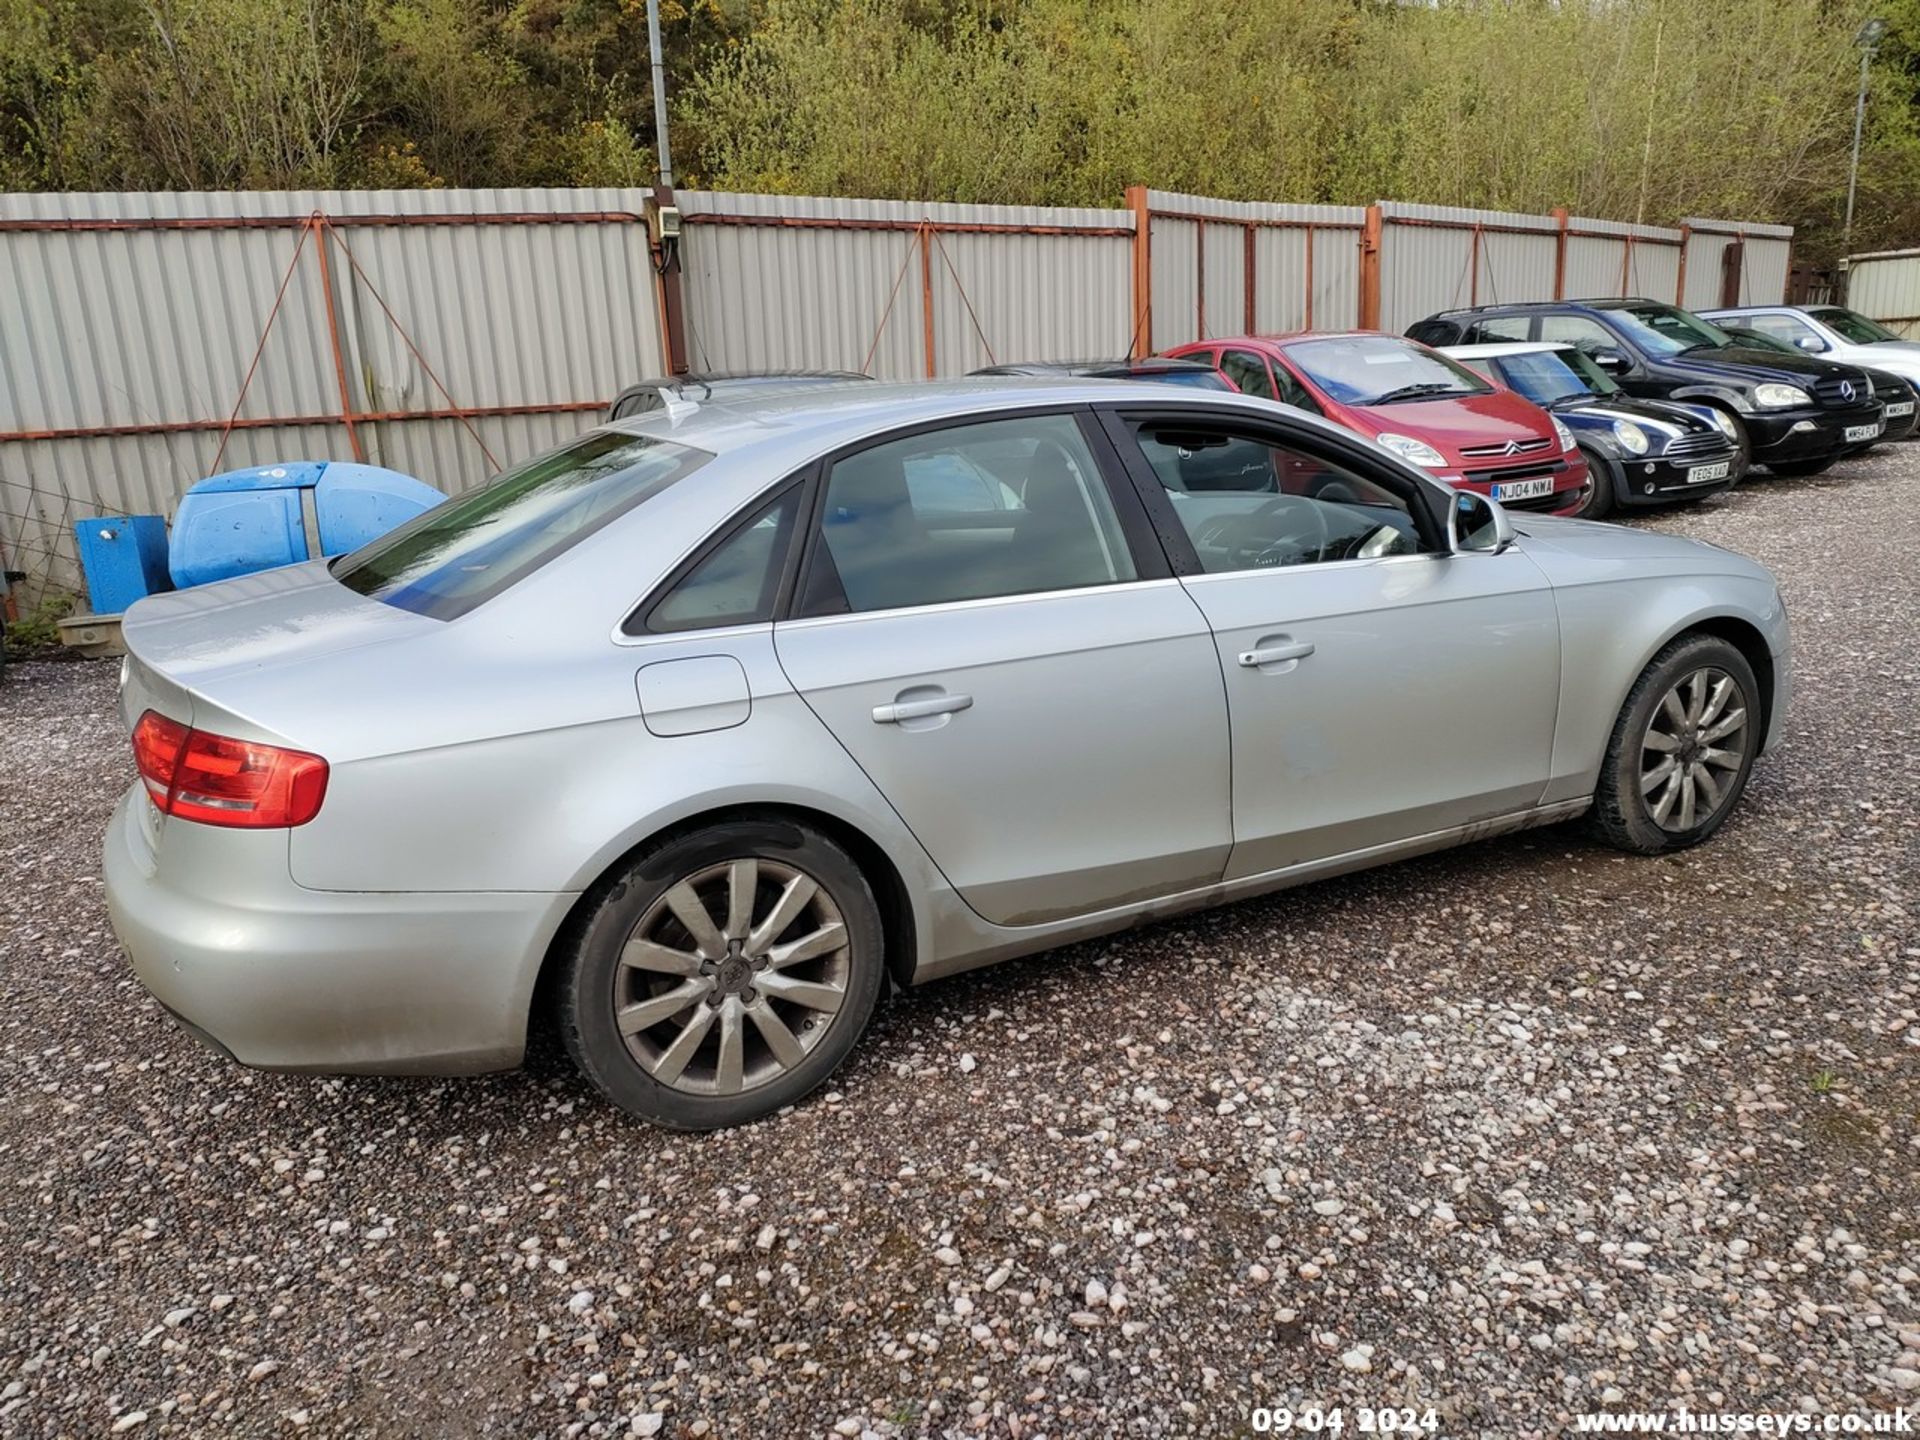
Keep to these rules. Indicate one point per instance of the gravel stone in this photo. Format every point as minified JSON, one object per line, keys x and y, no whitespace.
{"x":1603,"y":1132}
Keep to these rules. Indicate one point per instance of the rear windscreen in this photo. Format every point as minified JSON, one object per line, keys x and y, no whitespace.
{"x":455,"y":556}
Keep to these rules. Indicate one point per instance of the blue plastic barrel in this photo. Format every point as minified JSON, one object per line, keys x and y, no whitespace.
{"x":270,"y":515}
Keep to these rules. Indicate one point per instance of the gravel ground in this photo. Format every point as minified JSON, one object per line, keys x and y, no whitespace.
{"x":1514,"y":1132}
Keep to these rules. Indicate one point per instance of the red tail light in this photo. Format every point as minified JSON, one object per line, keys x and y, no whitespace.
{"x":220,"y":781}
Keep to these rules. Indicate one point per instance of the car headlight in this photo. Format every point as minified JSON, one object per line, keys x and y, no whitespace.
{"x":1722,"y":422}
{"x":1780,"y":397}
{"x":1561,"y":433}
{"x":1632,"y":438}
{"x":1408,"y":448}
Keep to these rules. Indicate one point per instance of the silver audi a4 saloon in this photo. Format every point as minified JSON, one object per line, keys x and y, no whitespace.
{"x":691,"y":735}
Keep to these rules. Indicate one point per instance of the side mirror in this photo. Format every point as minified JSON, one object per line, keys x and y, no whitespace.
{"x":1477,"y":525}
{"x":1811,"y":342}
{"x":1614,"y":362}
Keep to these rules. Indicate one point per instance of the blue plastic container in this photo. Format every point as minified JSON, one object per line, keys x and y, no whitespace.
{"x":124,"y":557}
{"x":248,"y":520}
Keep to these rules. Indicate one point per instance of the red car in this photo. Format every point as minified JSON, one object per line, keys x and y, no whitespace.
{"x":1422,"y":406}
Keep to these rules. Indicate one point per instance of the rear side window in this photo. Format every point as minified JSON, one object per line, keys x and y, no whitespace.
{"x":738,"y":581}
{"x":1003,"y":507}
{"x":458,"y":555}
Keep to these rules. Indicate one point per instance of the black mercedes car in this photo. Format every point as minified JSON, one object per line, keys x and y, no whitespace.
{"x":1640,"y":452}
{"x":1165,"y":370}
{"x":1896,"y":395}
{"x":1795,"y":414}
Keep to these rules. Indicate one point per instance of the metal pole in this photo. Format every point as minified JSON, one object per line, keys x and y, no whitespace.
{"x":659,"y":92}
{"x":1853,"y":171}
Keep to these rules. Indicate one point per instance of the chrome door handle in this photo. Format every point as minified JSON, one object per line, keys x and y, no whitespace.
{"x":920,"y":709}
{"x":1274,"y":654}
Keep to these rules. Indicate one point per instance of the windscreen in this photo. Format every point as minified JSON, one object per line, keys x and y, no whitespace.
{"x":1850,"y":325}
{"x":1667,"y":330}
{"x":1380,"y":370}
{"x":1547,"y":377}
{"x":455,"y":556}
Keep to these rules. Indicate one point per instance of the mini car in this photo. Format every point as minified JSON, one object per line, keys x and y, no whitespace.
{"x":1641,"y":452}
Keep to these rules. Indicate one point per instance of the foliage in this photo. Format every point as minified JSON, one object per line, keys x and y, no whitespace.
{"x":1628,"y":108}
{"x":39,"y":628}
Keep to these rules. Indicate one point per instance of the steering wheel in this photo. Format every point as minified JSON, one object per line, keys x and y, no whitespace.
{"x":1254,"y":553}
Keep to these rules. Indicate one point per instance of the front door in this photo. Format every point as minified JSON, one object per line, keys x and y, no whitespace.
{"x":991,"y":632}
{"x":1379,"y":688}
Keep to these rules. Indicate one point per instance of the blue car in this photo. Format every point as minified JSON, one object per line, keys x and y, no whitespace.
{"x":1641,"y":452}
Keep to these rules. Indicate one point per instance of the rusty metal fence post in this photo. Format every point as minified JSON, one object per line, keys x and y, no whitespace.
{"x":1142,"y":271}
{"x":1370,"y":268}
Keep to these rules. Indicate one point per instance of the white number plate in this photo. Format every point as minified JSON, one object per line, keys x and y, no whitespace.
{"x":1700,"y":473}
{"x":1862,"y":432}
{"x":1899,"y":408}
{"x":1524,"y":489}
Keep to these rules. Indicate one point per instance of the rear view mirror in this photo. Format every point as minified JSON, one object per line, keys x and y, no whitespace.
{"x":1477,"y":525}
{"x":1810,"y":342}
{"x":1608,"y":359}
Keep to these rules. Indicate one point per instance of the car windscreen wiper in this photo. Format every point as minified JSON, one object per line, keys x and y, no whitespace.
{"x":1409,"y":392}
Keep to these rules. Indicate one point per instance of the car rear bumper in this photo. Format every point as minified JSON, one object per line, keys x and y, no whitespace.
{"x":284,"y":978}
{"x":1793,"y":435}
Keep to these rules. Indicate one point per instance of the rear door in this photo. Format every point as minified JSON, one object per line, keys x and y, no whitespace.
{"x":1379,"y":688}
{"x":987,"y":624}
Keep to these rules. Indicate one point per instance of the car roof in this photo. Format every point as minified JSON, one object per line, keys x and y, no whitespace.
{"x":744,"y":379}
{"x":822,"y":419}
{"x":1502,"y":348}
{"x":1521,"y":307}
{"x":1288,"y":337}
{"x":1115,"y":367}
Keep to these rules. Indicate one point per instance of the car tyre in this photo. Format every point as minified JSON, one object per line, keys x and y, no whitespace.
{"x":775,"y":991}
{"x":1602,"y":485}
{"x":1676,"y":725}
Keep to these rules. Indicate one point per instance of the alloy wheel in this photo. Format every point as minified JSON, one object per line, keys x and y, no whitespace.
{"x":732,"y":977}
{"x":1693,"y":750}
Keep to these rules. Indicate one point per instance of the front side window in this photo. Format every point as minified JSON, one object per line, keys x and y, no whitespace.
{"x":1381,"y":370}
{"x":1854,"y":327}
{"x":738,"y":581}
{"x":1789,"y":328}
{"x":1247,"y":504}
{"x":1001,"y":507}
{"x":1579,"y":331}
{"x":457,"y":555}
{"x":1292,"y":391}
{"x":1248,"y":372}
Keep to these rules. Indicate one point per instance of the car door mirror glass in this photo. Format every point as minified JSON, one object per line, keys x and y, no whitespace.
{"x":1478,"y":525}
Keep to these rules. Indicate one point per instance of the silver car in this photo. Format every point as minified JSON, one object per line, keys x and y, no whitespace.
{"x":690,"y":736}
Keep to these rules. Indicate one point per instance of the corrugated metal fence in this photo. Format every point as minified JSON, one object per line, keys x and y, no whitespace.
{"x":1885,"y":286}
{"x":146,"y":340}
{"x":441,"y":333}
